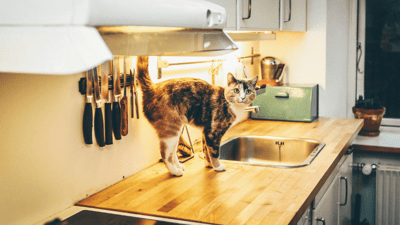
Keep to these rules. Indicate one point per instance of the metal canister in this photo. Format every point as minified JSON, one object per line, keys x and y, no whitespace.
{"x":268,"y":67}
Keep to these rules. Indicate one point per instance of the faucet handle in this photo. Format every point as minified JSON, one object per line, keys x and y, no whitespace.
{"x":254,"y":109}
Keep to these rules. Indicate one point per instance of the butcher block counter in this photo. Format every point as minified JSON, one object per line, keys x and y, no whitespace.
{"x":243,"y":194}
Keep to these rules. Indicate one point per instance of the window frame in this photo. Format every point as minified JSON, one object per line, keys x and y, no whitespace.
{"x":360,"y":64}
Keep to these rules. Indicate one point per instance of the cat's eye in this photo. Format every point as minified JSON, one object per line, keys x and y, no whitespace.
{"x":248,"y":91}
{"x":236,"y":90}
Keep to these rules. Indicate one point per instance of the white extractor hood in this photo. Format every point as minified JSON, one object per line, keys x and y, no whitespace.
{"x":72,"y":36}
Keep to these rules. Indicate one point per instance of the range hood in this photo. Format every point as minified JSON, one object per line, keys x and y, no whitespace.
{"x":72,"y":36}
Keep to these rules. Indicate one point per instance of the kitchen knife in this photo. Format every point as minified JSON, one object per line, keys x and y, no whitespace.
{"x":107,"y":105}
{"x":136,"y":98}
{"x":124,"y":107}
{"x":116,"y":112}
{"x":98,"y":114}
{"x":132,"y":106}
{"x":132,"y":99}
{"x":88,"y":112}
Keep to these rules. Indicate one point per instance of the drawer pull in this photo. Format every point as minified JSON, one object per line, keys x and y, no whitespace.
{"x":321,"y":220}
{"x":249,"y":12}
{"x":282,"y":95}
{"x":345,"y":201}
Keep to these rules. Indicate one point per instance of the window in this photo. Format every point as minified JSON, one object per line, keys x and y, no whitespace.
{"x":378,"y":73}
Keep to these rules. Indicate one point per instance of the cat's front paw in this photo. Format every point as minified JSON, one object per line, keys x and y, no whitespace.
{"x":178,"y":172}
{"x":220,"y":168}
{"x":181,"y":166}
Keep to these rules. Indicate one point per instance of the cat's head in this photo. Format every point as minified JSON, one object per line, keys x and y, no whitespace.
{"x":240,"y":91}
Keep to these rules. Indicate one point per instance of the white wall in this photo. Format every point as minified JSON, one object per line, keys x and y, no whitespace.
{"x":337,"y":35}
{"x":45,"y":165}
{"x":318,"y":56}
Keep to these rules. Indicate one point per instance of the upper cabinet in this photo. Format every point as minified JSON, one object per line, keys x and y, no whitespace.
{"x":293,"y":15}
{"x":258,"y":15}
{"x":265,"y":15}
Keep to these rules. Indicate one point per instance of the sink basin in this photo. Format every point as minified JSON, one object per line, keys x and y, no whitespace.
{"x":270,"y":151}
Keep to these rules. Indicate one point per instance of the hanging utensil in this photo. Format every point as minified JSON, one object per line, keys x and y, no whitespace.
{"x":88,"y":112}
{"x":98,"y":114}
{"x":135,"y":95}
{"x":132,"y":106}
{"x":124,"y":106}
{"x":279,"y":72}
{"x":107,"y":105}
{"x":116,"y":111}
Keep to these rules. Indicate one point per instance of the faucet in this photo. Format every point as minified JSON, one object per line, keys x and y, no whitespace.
{"x":253,"y":109}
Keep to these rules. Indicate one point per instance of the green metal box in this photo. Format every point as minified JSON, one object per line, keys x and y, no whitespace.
{"x":290,"y":103}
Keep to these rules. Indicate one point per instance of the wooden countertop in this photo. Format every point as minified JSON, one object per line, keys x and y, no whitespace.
{"x":242,"y":194}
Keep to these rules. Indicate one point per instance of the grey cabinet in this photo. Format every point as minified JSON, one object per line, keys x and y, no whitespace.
{"x":293,"y":15}
{"x":345,"y":190}
{"x":258,"y":15}
{"x":306,"y":218}
{"x":265,"y":15}
{"x":332,"y":204}
{"x":327,"y":211}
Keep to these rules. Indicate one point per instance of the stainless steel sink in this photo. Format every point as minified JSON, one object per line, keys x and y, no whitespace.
{"x":271,"y":151}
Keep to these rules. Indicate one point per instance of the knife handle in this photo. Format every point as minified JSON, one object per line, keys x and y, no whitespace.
{"x":99,"y":127}
{"x":108,"y":121}
{"x":132,"y":105}
{"x":116,"y":120}
{"x":88,"y":123}
{"x":136,"y":106}
{"x":124,"y":116}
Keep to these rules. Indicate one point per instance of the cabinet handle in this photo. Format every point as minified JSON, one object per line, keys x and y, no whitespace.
{"x":249,"y":10}
{"x":282,"y":95}
{"x":290,"y":12}
{"x":321,"y":220}
{"x":345,"y":201}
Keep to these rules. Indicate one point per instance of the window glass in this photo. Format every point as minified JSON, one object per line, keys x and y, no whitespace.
{"x":382,"y":54}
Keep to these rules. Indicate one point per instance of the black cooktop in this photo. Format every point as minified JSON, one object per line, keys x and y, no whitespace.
{"x":86,"y":217}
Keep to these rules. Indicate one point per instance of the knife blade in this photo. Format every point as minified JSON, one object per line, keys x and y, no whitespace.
{"x":107,"y":104}
{"x":98,"y":114}
{"x":116,"y":113}
{"x":132,"y":106}
{"x":136,"y":98}
{"x":88,"y":112}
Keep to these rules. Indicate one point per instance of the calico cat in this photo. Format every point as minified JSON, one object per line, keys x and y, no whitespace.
{"x":170,"y":104}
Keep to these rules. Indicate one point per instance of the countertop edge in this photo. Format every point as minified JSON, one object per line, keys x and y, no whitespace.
{"x":322,"y":181}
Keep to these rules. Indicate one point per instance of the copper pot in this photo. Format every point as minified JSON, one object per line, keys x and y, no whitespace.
{"x":268,"y":67}
{"x":372,"y":120}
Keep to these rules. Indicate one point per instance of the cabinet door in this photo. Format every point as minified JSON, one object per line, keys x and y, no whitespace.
{"x":293,"y":15}
{"x":259,"y":15}
{"x":345,"y":191}
{"x":327,"y":208}
{"x":231,"y":12}
{"x":305,"y":219}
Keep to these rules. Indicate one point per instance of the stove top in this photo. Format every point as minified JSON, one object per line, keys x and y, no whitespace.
{"x":86,"y":217}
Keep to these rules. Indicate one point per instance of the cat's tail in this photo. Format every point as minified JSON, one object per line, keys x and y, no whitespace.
{"x":143,"y":72}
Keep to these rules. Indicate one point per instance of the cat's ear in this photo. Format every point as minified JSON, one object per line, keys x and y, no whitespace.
{"x":231,"y":79}
{"x":254,"y":80}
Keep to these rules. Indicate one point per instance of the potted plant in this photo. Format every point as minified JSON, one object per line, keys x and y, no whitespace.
{"x":372,"y":112}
